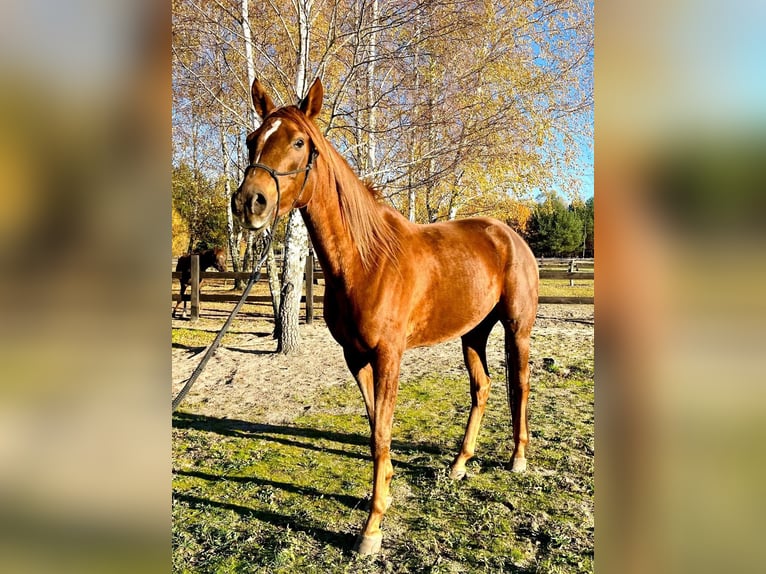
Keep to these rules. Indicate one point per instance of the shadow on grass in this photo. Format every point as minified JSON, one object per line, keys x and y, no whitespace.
{"x":277,"y":434}
{"x":343,"y":542}
{"x":352,"y":502}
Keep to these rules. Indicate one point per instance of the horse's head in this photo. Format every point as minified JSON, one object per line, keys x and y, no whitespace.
{"x":220,"y":259}
{"x":282,"y":149}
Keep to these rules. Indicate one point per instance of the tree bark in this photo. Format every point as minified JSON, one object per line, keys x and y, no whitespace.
{"x":296,"y":238}
{"x":273,"y":274}
{"x":231,"y":234}
{"x":411,"y":192}
{"x":372,"y":118}
{"x":249,"y":61}
{"x":271,"y":266}
{"x":247,"y":258}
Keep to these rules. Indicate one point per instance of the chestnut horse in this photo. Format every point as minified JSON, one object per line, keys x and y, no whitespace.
{"x":391,"y":284}
{"x":215,"y":257}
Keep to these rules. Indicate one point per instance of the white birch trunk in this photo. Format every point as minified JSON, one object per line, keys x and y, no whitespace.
{"x":372,"y":119}
{"x":296,"y":250}
{"x":301,"y":69}
{"x":296,"y":236}
{"x":273,"y":273}
{"x":411,"y":215}
{"x":249,"y":60}
{"x":271,"y":264}
{"x":411,"y":198}
{"x":231,"y":234}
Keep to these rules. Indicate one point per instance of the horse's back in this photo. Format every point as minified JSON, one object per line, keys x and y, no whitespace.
{"x":485,"y":238}
{"x":512,"y":251}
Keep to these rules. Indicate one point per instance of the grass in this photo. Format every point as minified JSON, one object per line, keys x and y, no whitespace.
{"x":201,"y":337}
{"x":291,"y":498}
{"x":561,"y":288}
{"x":193,"y":337}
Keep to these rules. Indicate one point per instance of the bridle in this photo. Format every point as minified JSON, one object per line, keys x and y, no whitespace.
{"x":256,"y":274}
{"x":275,"y":175}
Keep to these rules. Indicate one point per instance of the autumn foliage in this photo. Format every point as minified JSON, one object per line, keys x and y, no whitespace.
{"x":452,"y":108}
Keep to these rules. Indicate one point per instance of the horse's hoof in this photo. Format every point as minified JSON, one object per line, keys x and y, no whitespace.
{"x":367,"y":545}
{"x":519,"y":465}
{"x":457,"y":473}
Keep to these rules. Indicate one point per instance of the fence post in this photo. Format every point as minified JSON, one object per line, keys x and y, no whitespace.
{"x":194,"y":288}
{"x":571,"y":270}
{"x":310,"y":287}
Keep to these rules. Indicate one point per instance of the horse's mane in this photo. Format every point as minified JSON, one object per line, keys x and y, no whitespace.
{"x":374,"y":236}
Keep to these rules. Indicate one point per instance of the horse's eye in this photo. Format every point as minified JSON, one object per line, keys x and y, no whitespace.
{"x":298,"y":143}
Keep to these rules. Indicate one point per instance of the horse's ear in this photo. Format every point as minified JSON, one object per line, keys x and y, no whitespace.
{"x":261,"y":100}
{"x":312,"y":103}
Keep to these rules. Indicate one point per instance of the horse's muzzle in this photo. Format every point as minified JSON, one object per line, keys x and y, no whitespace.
{"x":251,"y":208}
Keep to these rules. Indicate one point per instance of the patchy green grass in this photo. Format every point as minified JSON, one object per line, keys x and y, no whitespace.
{"x":202,"y":335}
{"x":561,"y":288}
{"x":251,"y":497}
{"x":192,"y":337}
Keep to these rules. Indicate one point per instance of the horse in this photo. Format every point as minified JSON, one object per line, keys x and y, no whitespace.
{"x":391,"y":284}
{"x":215,"y":257}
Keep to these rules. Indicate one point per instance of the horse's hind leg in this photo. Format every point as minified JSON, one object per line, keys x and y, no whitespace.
{"x":517,"y":378}
{"x":475,"y":356}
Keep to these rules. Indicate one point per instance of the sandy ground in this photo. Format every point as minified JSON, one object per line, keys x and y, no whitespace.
{"x":245,"y":379}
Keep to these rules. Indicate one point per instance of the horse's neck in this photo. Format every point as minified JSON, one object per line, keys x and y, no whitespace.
{"x":334,"y":246}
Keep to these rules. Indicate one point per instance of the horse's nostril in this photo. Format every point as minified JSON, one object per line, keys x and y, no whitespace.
{"x":258,"y":204}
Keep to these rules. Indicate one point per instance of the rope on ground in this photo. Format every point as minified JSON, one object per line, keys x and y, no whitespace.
{"x":254,"y":276}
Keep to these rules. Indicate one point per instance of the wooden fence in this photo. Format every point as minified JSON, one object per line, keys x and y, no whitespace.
{"x":571,"y":269}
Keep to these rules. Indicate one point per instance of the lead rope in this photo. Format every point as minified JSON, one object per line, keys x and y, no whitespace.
{"x":254,"y":276}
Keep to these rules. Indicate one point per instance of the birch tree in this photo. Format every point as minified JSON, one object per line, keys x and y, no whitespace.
{"x":296,"y":236}
{"x":451,"y":108}
{"x":271,"y":263}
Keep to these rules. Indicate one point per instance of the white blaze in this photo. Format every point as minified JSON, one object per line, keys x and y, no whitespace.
{"x":274,"y":127}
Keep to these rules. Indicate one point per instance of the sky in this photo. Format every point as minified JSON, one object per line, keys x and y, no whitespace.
{"x":586,"y":157}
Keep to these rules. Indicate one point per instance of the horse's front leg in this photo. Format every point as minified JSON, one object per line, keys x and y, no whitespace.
{"x":360,"y":366}
{"x":386,"y":385}
{"x":181,"y":299}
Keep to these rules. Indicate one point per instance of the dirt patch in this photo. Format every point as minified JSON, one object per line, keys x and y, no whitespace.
{"x":246,"y":380}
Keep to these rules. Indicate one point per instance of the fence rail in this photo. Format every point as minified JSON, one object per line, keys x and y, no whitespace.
{"x":313,"y":275}
{"x":317,"y":274}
